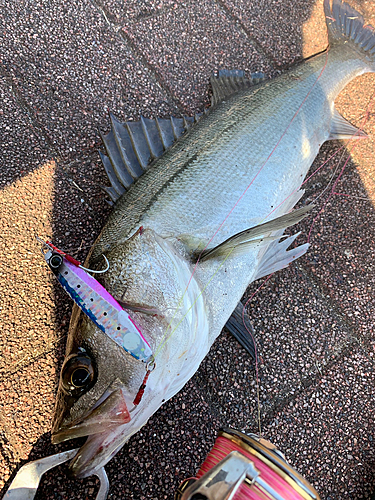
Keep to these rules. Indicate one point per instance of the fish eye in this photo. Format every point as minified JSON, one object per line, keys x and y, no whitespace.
{"x":77,"y":375}
{"x":55,"y":261}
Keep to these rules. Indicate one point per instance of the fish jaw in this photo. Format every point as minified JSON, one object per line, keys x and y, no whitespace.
{"x":96,"y":452}
{"x":111,"y":413}
{"x":100,"y":448}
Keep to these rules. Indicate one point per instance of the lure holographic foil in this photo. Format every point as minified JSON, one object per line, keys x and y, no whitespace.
{"x":97,"y":303}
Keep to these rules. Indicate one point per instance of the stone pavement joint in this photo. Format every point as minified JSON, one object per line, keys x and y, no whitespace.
{"x":231,"y":15}
{"x":338,"y":313}
{"x":121,"y":33}
{"x":30,"y":358}
{"x":35,"y":125}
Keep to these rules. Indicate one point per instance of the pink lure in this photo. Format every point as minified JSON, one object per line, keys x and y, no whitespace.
{"x":97,"y":303}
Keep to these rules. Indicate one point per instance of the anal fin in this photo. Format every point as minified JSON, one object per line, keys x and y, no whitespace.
{"x":278,"y":257}
{"x":244,"y":334}
{"x":342,"y":129}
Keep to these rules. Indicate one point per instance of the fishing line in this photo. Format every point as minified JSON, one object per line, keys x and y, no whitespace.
{"x":352,"y":196}
{"x":231,"y":211}
{"x":255,"y":349}
{"x":332,"y":193}
{"x":256,"y":175}
{"x":367,"y":114}
{"x":267,"y":159}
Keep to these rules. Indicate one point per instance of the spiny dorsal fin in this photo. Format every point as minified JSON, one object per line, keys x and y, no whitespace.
{"x":132,"y":146}
{"x":257,"y":235}
{"x":228,"y":82}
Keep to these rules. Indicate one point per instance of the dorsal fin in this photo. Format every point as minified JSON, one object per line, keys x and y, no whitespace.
{"x":132,"y":146}
{"x":228,"y":82}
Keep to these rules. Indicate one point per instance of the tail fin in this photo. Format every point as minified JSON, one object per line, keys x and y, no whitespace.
{"x":345,"y":25}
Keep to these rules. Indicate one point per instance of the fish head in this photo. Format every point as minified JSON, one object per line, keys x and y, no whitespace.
{"x":100,"y":381}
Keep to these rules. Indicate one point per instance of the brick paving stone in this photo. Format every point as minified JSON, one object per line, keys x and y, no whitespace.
{"x":71,"y":69}
{"x":187,"y":43}
{"x":276,"y":25}
{"x":297,"y":335}
{"x":23,"y":148}
{"x":26,"y":411}
{"x":342,"y":246}
{"x":123,"y":12}
{"x":327,"y":432}
{"x":27,"y":314}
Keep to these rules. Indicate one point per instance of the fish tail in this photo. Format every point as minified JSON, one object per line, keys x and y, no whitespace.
{"x":346,"y":26}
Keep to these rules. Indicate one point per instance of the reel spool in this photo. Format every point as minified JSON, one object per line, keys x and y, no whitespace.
{"x":244,"y":467}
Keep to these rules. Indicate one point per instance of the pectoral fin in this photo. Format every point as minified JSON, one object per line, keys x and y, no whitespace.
{"x":257,"y":235}
{"x":142,"y":308}
{"x":242,"y":330}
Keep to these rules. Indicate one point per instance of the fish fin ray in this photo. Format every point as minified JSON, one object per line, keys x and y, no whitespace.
{"x":228,"y":82}
{"x":277,"y":256}
{"x":256,"y":235}
{"x":346,"y":25}
{"x":141,"y":308}
{"x":243,"y":334}
{"x":132,"y":146}
{"x":342,"y":129}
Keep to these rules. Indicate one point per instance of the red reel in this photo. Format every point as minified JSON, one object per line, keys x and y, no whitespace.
{"x":244,"y":467}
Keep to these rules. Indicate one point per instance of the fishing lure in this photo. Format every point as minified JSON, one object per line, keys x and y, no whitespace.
{"x":96,"y":302}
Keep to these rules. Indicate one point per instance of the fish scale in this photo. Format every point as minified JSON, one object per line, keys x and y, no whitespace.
{"x":216,"y":153}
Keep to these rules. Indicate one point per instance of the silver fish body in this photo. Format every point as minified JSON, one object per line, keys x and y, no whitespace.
{"x":241,"y":164}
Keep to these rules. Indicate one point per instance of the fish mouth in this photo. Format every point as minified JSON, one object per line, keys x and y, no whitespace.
{"x":99,"y":425}
{"x":109,"y":414}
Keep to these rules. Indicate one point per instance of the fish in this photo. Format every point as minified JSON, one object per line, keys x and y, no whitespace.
{"x":200,"y":209}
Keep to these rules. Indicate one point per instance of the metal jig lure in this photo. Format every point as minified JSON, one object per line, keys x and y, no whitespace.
{"x":96,"y":302}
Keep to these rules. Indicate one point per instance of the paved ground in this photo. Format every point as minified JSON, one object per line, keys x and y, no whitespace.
{"x":64,"y":64}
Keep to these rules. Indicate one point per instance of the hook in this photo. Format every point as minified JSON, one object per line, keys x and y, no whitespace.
{"x":63,"y":253}
{"x":97,"y":272}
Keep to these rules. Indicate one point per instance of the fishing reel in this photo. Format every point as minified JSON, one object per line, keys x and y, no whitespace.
{"x":242,"y":467}
{"x":239,"y":467}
